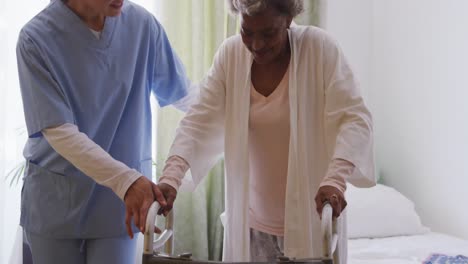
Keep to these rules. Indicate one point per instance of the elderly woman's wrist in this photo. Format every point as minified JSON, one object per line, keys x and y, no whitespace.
{"x":171,"y":181}
{"x":338,"y":185}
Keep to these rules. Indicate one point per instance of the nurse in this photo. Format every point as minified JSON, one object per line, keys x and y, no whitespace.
{"x":282,"y":104}
{"x":87,"y":69}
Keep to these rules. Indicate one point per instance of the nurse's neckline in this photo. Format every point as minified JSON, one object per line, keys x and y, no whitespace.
{"x":84,"y":32}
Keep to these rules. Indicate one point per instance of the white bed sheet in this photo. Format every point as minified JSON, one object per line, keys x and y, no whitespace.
{"x":404,"y":249}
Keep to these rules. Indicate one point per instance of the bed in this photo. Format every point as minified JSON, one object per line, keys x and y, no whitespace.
{"x":384,"y":228}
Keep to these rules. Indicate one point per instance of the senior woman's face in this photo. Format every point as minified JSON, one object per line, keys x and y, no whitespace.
{"x":265,"y":35}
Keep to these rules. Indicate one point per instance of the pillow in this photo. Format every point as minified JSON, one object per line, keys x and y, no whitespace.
{"x":381,"y":211}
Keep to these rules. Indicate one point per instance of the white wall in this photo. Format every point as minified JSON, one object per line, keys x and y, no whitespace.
{"x":417,"y":86}
{"x":420,"y":67}
{"x":350,"y":23}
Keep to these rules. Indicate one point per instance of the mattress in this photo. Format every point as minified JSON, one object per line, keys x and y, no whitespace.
{"x":404,"y":249}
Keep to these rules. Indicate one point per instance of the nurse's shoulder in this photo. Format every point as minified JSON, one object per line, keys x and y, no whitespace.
{"x":37,"y":33}
{"x":46,"y":26}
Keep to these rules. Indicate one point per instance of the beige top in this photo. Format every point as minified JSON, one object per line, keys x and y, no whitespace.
{"x":268,"y":157}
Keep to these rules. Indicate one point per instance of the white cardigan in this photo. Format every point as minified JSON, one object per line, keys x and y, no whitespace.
{"x":328,"y":120}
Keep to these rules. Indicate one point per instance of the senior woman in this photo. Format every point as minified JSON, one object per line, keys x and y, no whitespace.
{"x":283,"y":105}
{"x":87,"y":69}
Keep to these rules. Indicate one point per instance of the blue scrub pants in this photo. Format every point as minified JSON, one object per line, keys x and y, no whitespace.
{"x":120,"y":250}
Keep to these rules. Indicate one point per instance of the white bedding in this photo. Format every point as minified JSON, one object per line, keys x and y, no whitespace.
{"x":404,"y":249}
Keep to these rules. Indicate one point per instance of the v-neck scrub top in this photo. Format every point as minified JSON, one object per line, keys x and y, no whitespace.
{"x":102,"y":86}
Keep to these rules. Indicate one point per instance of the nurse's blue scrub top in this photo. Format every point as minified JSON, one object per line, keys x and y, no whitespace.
{"x":103,"y":86}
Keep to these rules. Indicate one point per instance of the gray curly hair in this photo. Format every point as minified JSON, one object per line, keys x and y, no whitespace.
{"x":253,"y":7}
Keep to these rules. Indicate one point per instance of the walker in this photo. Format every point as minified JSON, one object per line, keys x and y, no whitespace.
{"x":150,"y":256}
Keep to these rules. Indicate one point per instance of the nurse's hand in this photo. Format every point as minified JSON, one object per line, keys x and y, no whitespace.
{"x":138,"y":200}
{"x":170,"y":194}
{"x":333,"y":196}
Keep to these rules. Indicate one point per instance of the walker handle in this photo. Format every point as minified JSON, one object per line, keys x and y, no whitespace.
{"x":149,"y":243}
{"x":329,"y":232}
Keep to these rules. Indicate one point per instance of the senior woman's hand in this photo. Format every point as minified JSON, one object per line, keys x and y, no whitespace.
{"x":170,"y":195}
{"x":332,"y":195}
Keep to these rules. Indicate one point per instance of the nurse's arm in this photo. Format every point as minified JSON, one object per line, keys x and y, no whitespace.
{"x":128,"y":184}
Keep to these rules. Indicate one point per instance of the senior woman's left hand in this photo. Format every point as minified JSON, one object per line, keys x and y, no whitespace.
{"x":332,"y":195}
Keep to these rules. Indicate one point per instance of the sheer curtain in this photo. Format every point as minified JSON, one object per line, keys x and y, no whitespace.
{"x":312,"y":13}
{"x":195,"y":29}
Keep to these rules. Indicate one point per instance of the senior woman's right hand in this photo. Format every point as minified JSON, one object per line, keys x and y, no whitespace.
{"x":333,"y":196}
{"x":170,"y":195}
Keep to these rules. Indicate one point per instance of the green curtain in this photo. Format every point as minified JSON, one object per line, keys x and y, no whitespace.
{"x":196,"y":28}
{"x":311,"y":14}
